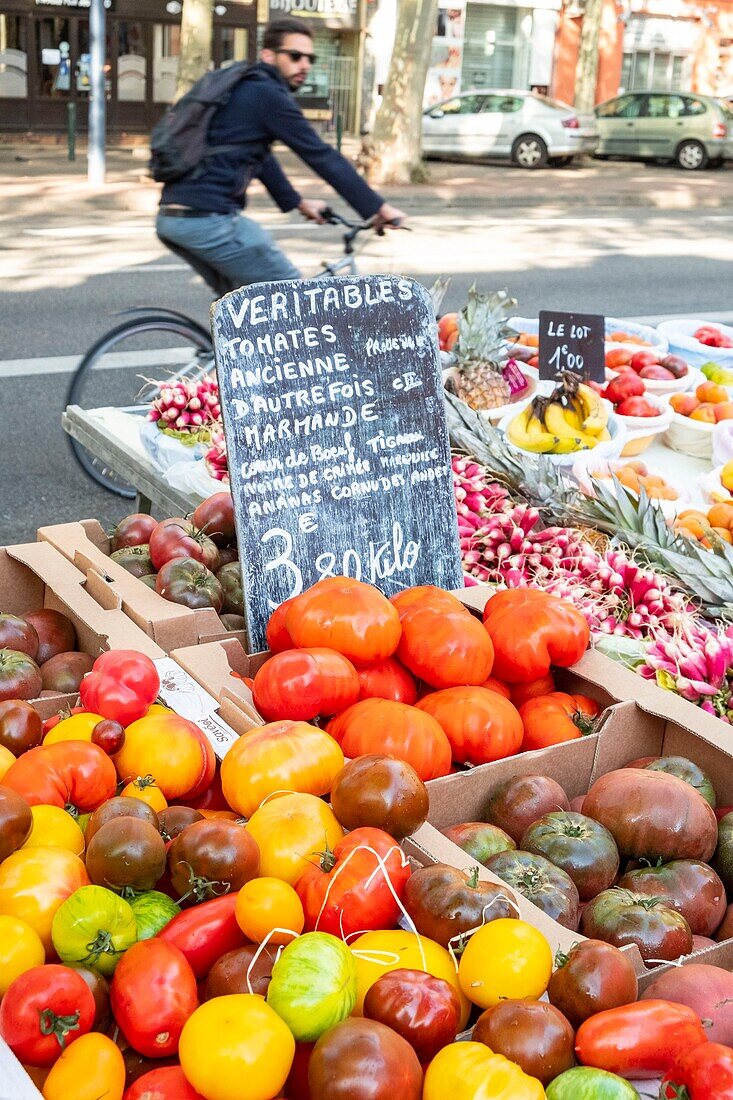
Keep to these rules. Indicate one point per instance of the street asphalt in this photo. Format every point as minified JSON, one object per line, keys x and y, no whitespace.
{"x":621,"y":239}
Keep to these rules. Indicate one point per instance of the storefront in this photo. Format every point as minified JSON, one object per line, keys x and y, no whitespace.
{"x":331,"y":91}
{"x":44,"y":59}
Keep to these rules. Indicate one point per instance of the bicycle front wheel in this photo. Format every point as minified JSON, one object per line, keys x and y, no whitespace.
{"x":126,"y":367}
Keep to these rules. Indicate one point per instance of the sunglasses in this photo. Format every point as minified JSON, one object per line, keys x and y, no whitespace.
{"x":298,"y":55}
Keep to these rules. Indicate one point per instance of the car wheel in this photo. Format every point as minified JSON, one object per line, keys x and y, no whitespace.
{"x":529,"y":151}
{"x":562,"y":162}
{"x":691,"y":156}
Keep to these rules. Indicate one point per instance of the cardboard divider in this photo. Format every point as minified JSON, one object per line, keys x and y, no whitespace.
{"x":34,"y":575}
{"x":86,"y":545}
{"x":220,"y":667}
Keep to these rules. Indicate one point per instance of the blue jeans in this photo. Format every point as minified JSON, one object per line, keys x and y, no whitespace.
{"x":236,"y":246}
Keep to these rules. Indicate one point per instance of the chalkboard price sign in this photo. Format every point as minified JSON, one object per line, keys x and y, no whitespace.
{"x":572,"y":342}
{"x":339,"y":459}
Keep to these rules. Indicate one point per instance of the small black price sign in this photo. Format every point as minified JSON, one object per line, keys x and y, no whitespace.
{"x":572,"y":342}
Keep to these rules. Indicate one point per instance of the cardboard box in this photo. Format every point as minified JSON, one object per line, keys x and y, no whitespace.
{"x":34,"y":575}
{"x":87,"y":546}
{"x":219,"y":667}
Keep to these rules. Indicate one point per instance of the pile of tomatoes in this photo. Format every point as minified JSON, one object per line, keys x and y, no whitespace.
{"x":39,"y":655}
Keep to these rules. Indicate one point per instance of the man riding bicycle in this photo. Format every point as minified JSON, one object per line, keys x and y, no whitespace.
{"x":200,"y":213}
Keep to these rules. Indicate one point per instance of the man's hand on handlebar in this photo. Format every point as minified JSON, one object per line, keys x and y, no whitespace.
{"x":388,"y":217}
{"x":313,"y":210}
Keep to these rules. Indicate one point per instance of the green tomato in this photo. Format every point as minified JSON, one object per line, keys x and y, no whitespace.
{"x":152,"y":912}
{"x":313,"y":985}
{"x":93,"y":928}
{"x":583,"y":1083}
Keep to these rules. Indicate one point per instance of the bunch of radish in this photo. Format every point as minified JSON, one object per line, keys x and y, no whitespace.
{"x":215,"y":458}
{"x":696,"y":663}
{"x":187,"y":406}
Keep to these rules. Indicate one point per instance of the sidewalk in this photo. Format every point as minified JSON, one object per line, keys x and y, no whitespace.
{"x":38,"y":177}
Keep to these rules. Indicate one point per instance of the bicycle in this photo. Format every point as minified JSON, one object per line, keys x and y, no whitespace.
{"x":102,"y":378}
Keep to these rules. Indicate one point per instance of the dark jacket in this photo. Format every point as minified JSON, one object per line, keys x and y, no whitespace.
{"x":260,"y":111}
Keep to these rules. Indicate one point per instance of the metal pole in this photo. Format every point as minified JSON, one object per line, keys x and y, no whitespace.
{"x":71,"y":130}
{"x":97,"y":94}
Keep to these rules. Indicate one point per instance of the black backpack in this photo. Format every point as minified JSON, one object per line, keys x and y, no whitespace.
{"x":178,"y":145}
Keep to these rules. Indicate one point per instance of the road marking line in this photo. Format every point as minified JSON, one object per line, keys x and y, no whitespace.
{"x":65,"y":364}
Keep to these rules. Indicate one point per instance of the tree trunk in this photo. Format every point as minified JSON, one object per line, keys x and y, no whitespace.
{"x":196,"y":39}
{"x":391,"y":153}
{"x":586,"y":73}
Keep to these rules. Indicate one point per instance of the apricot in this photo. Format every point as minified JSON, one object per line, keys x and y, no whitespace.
{"x":684,"y":403}
{"x":721,"y":515}
{"x":724,"y":534}
{"x":724,"y":411}
{"x":693,"y":527}
{"x":726,"y":477}
{"x":711,"y":392}
{"x":704,"y":413}
{"x":692,"y":513}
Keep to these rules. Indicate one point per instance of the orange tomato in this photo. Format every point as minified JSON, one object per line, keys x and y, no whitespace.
{"x":35,"y":881}
{"x":147,"y":790}
{"x":291,"y":830}
{"x":90,"y":1068}
{"x":266,"y":904}
{"x":170,"y":748}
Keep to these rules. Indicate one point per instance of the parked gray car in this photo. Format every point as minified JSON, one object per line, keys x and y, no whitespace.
{"x":694,"y":130}
{"x":528,"y":128}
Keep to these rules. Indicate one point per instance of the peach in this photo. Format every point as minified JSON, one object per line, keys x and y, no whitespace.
{"x":711,"y":392}
{"x":721,"y":515}
{"x":724,"y":411}
{"x":684,"y":403}
{"x":705,"y":413}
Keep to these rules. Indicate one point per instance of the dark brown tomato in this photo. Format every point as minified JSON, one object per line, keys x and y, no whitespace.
{"x":178,"y":538}
{"x":234,"y":622}
{"x":215,"y":516}
{"x":20,"y":676}
{"x":592,"y":977}
{"x":687,"y":885}
{"x":109,"y":735}
{"x":174,"y":819}
{"x":362,"y":1059}
{"x":580,"y":846}
{"x":65,"y":671}
{"x":480,"y":840}
{"x":231,"y":972}
{"x":189,"y":583}
{"x":126,"y":854}
{"x":16,"y":633}
{"x":149,"y":580}
{"x":133,"y":530}
{"x":541,"y":882}
{"x":230,"y":579}
{"x":382,"y":792}
{"x":653,"y":815}
{"x":533,"y":1034}
{"x":21,"y":727}
{"x":518,"y":802}
{"x":56,"y":633}
{"x":722,"y":861}
{"x":119,"y":807}
{"x":446,"y":903}
{"x":16,"y":821}
{"x":99,"y":986}
{"x":683,"y":768}
{"x":211,"y":857}
{"x":228,"y":554}
{"x":135,"y":559}
{"x":620,"y":917}
{"x":422,"y":1009}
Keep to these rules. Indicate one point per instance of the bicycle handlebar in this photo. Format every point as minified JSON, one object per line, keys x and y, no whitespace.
{"x":333,"y":218}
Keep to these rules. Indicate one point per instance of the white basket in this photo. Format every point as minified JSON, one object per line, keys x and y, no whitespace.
{"x":648,"y":425}
{"x":689,"y":381}
{"x":689,"y":437}
{"x":710,"y":487}
{"x":682,"y":342}
{"x":583,"y":473}
{"x":655,"y":340}
{"x":609,"y":448}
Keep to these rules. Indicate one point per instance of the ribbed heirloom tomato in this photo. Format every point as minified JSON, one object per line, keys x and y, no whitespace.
{"x":532,"y":631}
{"x":171,"y":749}
{"x":552,"y":719}
{"x":303,"y":683}
{"x":75,"y":775}
{"x":291,"y":830}
{"x":444,"y":647}
{"x":381,"y":726}
{"x":346,"y":615}
{"x":479,"y":723}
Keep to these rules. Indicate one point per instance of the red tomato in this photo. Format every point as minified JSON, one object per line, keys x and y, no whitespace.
{"x":69,"y":774}
{"x":532,"y":631}
{"x":348,"y":891}
{"x":480,"y":724}
{"x":166,"y":1083}
{"x":299,"y":684}
{"x":277,"y":635}
{"x":381,"y":726}
{"x":387,"y":679}
{"x":640,"y":1040}
{"x":205,"y":932}
{"x":153,"y":993}
{"x":346,"y":615}
{"x":521,"y":693}
{"x":44,"y":1010}
{"x":551,"y":719}
{"x":121,"y":686}
{"x":705,"y":1072}
{"x":445,"y":648}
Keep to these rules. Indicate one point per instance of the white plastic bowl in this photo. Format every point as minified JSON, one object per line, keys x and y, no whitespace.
{"x":655,"y":340}
{"x":583,"y":472}
{"x":610,"y":448}
{"x":689,"y":381}
{"x":689,"y":437}
{"x":532,"y":376}
{"x":682,"y":342}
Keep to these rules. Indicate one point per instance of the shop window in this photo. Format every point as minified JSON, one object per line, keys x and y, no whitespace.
{"x":132,"y":65}
{"x":234,"y":45}
{"x":53,"y":54}
{"x":660,"y":71}
{"x":166,"y":52}
{"x":13,"y":57}
{"x":490,"y":46}
{"x":83,"y":63}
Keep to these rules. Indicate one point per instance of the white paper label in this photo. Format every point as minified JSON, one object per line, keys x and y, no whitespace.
{"x":184,"y":695}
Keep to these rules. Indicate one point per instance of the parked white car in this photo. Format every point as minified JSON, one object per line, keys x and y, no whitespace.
{"x":530,"y":129}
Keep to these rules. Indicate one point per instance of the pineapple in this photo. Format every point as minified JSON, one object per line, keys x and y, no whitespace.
{"x":481,"y":334}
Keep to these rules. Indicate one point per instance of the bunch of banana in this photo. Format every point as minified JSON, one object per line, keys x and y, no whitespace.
{"x":572,"y":419}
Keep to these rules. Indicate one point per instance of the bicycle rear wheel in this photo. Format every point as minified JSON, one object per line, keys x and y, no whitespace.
{"x":125,"y":368}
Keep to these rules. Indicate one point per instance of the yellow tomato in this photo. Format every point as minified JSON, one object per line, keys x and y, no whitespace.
{"x":157,"y":708}
{"x":90,"y":1068}
{"x":35,"y":881}
{"x":20,"y":949}
{"x":291,"y":830}
{"x":54,"y":828}
{"x":505,"y":959}
{"x":378,"y":953}
{"x":236,"y":1048}
{"x":472,"y":1070}
{"x":264,"y":904}
{"x":76,"y":728}
{"x":146,"y":789}
{"x":6,"y":759}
